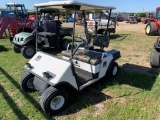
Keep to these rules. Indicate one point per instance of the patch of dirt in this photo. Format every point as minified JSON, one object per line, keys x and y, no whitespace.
{"x":123,"y":26}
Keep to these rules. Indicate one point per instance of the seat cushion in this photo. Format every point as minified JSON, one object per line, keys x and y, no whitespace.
{"x":85,"y":55}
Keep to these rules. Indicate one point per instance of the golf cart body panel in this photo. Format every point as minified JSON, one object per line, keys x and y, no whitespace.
{"x":23,"y":38}
{"x":58,"y":69}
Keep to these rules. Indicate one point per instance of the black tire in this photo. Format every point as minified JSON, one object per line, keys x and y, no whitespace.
{"x":50,"y":94}
{"x":28,"y":51}
{"x":26,"y":82}
{"x":114,"y":70}
{"x":16,"y":49}
{"x":151,"y":29}
{"x":155,"y":59}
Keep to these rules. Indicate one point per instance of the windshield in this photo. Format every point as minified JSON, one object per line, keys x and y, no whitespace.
{"x":24,"y":10}
{"x":100,"y":16}
{"x":10,"y":7}
{"x":158,"y":14}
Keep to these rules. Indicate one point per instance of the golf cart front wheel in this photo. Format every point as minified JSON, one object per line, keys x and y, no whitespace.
{"x":114,"y":70}
{"x":53,"y":100}
{"x":26,"y":82}
{"x":28,"y":51}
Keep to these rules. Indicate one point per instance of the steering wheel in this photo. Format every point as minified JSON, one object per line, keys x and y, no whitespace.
{"x":84,"y":41}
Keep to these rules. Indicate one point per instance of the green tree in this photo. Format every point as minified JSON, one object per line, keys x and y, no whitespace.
{"x":142,"y":14}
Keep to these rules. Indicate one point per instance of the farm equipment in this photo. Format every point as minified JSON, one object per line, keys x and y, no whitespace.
{"x":51,"y":36}
{"x":145,"y":20}
{"x":15,"y":18}
{"x":77,"y":69}
{"x":153,"y":25}
{"x":119,"y":17}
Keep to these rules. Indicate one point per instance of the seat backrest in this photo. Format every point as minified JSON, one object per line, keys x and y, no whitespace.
{"x":50,"y":27}
{"x":101,"y":41}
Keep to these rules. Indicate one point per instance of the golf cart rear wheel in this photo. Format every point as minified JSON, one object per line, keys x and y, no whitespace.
{"x":114,"y":70}
{"x":26,"y":82}
{"x":53,"y":100}
{"x":28,"y":51}
{"x":16,"y":49}
{"x":155,"y":59}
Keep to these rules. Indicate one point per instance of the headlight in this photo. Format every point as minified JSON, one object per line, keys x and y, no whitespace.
{"x":28,"y":65}
{"x":46,"y":75}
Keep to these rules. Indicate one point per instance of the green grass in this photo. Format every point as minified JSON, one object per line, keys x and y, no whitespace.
{"x":133,"y":95}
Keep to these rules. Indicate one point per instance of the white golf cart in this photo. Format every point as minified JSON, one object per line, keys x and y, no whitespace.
{"x":77,"y":69}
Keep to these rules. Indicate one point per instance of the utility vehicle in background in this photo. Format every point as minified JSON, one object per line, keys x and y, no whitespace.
{"x":99,"y":21}
{"x":50,"y":34}
{"x":76,"y":70}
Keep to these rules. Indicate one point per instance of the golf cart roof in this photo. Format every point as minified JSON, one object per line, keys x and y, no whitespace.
{"x":69,"y":5}
{"x":15,"y":4}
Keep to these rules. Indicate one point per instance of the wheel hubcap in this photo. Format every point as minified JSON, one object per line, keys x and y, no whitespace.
{"x":29,"y":51}
{"x":30,"y":83}
{"x":148,"y":29}
{"x":57,"y":102}
{"x":115,"y":70}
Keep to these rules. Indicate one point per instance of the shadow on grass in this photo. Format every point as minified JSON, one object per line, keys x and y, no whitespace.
{"x":2,"y":48}
{"x":11,"y":103}
{"x":118,"y":37}
{"x":4,"y":37}
{"x":138,"y":76}
{"x":90,"y":96}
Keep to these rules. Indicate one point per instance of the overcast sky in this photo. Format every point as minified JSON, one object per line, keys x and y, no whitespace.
{"x":121,"y":5}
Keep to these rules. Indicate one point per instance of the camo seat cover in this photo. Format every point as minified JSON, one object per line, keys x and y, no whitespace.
{"x":84,"y":55}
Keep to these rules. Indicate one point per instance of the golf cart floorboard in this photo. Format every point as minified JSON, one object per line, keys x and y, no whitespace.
{"x":83,"y":79}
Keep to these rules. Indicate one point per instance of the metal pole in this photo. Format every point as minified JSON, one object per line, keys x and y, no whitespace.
{"x":108,"y":21}
{"x":73,"y":32}
{"x":36,"y":28}
{"x":85,"y":27}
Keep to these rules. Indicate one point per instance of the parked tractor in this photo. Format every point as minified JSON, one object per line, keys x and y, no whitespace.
{"x":149,"y":17}
{"x":15,"y":19}
{"x":152,"y":27}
